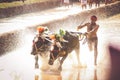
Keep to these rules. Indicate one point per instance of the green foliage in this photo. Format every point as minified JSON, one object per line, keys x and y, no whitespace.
{"x":19,"y":3}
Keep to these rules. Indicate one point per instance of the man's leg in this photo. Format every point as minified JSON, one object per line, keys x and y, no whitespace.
{"x":95,"y":51}
{"x":90,"y":45}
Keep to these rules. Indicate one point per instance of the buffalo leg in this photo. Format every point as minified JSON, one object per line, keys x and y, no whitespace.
{"x":61,"y":62}
{"x":36,"y":61}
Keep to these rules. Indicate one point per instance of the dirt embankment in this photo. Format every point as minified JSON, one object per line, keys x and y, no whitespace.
{"x":9,"y":41}
{"x":11,"y":11}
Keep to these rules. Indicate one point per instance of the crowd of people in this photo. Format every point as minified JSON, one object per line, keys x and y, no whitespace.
{"x":85,"y":3}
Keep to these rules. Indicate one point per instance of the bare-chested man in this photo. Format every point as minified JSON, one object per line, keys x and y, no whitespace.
{"x":92,"y":29}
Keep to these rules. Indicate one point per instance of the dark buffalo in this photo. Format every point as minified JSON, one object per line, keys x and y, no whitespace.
{"x":41,"y":47}
{"x":68,"y":47}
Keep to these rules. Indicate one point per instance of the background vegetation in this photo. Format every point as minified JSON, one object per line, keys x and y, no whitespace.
{"x":20,"y":3}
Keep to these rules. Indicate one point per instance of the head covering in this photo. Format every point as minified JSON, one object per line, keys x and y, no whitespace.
{"x":55,"y":37}
{"x":93,"y":18}
{"x":52,"y":36}
{"x":40,"y":29}
{"x":61,"y":32}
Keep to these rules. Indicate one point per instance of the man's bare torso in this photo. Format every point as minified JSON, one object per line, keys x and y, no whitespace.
{"x":92,"y":29}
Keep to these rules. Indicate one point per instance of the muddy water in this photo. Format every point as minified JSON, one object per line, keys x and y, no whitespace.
{"x":19,"y":64}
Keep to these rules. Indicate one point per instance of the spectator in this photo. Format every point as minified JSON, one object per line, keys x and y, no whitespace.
{"x":84,"y":4}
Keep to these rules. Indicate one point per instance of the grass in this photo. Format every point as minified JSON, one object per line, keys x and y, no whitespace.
{"x":20,"y":3}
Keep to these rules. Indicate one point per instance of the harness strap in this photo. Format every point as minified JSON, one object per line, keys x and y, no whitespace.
{"x":37,"y":48}
{"x":55,"y":50}
{"x":52,"y":56}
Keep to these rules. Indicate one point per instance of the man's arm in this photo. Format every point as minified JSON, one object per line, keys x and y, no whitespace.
{"x":94,"y":30}
{"x":81,"y":26}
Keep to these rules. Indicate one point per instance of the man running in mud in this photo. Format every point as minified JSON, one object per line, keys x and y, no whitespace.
{"x":92,"y":29}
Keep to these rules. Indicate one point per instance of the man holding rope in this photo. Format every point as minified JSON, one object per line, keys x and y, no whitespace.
{"x":92,"y":29}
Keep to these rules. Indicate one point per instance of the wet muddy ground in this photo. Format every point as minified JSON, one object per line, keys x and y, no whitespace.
{"x":19,"y":64}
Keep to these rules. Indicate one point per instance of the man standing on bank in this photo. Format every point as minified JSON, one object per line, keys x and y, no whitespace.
{"x":92,"y":41}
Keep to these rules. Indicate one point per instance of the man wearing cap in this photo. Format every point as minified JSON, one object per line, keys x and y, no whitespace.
{"x":92,"y":29}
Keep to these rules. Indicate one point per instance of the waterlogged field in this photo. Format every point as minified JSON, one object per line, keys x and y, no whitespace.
{"x":19,"y":64}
